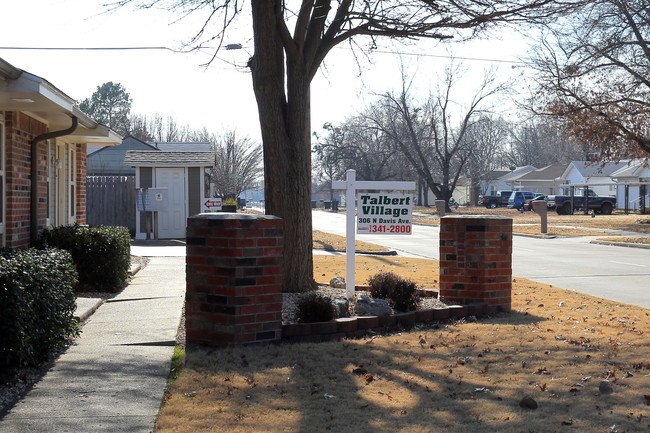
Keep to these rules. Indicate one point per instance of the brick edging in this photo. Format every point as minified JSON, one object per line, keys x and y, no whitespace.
{"x":356,"y":327}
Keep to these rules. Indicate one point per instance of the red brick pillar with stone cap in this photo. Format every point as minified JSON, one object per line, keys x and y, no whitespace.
{"x":476,"y":260}
{"x":234,"y":278}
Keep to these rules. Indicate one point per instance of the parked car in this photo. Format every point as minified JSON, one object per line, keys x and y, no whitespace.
{"x":517,"y":199}
{"x":562,"y":203}
{"x":494,"y":201}
{"x":528,"y":204}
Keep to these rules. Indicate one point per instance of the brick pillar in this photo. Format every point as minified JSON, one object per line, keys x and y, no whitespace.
{"x":476,"y":260}
{"x":234,"y":278}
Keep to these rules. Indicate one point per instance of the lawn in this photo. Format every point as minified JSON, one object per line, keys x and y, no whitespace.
{"x":564,"y":350}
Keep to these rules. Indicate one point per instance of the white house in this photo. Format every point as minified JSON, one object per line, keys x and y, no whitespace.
{"x":633,"y":177}
{"x":499,"y":180}
{"x":594,"y":174}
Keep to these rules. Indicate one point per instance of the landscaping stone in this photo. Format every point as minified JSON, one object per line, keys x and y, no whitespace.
{"x":367,"y":306}
{"x":341,"y":305}
{"x":337,"y":282}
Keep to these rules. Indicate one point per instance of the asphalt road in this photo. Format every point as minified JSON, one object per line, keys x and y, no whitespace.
{"x":620,"y":274}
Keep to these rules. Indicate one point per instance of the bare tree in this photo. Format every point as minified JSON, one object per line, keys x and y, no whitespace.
{"x":487,"y":137}
{"x":352,"y":145}
{"x":291,"y":41}
{"x":540,"y":142}
{"x":594,"y":74}
{"x":237,"y":165}
{"x":433,"y":135}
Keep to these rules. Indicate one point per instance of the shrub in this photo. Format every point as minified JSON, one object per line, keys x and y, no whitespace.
{"x":314,"y":308}
{"x":230,"y":202}
{"x":37,"y":304}
{"x":101,"y":254}
{"x":400,"y":293}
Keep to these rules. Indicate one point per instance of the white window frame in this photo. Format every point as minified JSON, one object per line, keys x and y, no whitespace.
{"x":71,"y":189}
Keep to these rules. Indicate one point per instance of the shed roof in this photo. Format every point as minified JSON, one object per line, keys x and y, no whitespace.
{"x":146,"y":158}
{"x":181,"y":146}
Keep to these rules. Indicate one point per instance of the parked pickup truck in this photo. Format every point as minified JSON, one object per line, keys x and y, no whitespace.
{"x":494,"y":201}
{"x":604,"y":205}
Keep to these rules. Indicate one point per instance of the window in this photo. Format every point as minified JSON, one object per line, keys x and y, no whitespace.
{"x":72,"y":160}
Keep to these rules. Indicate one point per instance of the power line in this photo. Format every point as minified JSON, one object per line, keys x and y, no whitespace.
{"x":238,"y":47}
{"x":440,"y":56}
{"x":94,"y":49}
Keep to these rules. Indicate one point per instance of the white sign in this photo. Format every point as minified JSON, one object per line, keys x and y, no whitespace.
{"x":211,"y":204}
{"x":384,"y":213}
{"x":352,"y":185}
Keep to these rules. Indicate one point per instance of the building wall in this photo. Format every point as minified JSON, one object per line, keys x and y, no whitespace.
{"x":20,"y":129}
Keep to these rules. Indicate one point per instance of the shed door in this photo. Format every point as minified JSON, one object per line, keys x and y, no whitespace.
{"x":171,"y":224}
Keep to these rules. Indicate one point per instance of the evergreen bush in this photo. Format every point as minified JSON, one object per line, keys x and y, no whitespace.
{"x":102,"y":254}
{"x":314,"y":308}
{"x":37,"y":303}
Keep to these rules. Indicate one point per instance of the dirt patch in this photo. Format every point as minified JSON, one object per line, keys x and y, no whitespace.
{"x":556,"y":347}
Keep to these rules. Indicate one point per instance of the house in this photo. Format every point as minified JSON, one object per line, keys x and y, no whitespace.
{"x":179,"y":178}
{"x":109,"y":160}
{"x":547,"y":180}
{"x":633,"y":180}
{"x":43,"y":144}
{"x":500,"y":180}
{"x":593,"y":174}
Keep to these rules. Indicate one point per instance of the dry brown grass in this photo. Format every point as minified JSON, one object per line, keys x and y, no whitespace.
{"x":330,"y":242}
{"x":628,"y":240}
{"x":555,"y":346}
{"x":424,"y":272}
{"x":618,"y":220}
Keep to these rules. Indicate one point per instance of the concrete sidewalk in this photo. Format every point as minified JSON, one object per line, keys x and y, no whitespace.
{"x":113,"y":378}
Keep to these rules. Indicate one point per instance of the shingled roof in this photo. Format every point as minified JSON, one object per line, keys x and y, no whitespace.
{"x":145,"y":158}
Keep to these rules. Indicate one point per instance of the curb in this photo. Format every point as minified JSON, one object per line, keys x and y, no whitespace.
{"x":88,"y":311}
{"x":134,"y":270}
{"x":621,"y":244}
{"x":539,"y":236}
{"x":370,"y":253}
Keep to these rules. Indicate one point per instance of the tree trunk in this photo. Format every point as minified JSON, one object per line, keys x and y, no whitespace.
{"x":285,"y":127}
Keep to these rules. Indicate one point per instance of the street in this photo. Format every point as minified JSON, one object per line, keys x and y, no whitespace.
{"x":616,"y":273}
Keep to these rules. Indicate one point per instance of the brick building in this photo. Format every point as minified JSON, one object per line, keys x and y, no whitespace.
{"x":43,"y":142}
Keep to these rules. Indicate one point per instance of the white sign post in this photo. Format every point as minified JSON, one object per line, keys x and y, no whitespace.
{"x":351,"y":185}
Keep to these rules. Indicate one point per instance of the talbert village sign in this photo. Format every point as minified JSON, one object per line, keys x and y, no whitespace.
{"x":384,"y":213}
{"x":377,"y":213}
